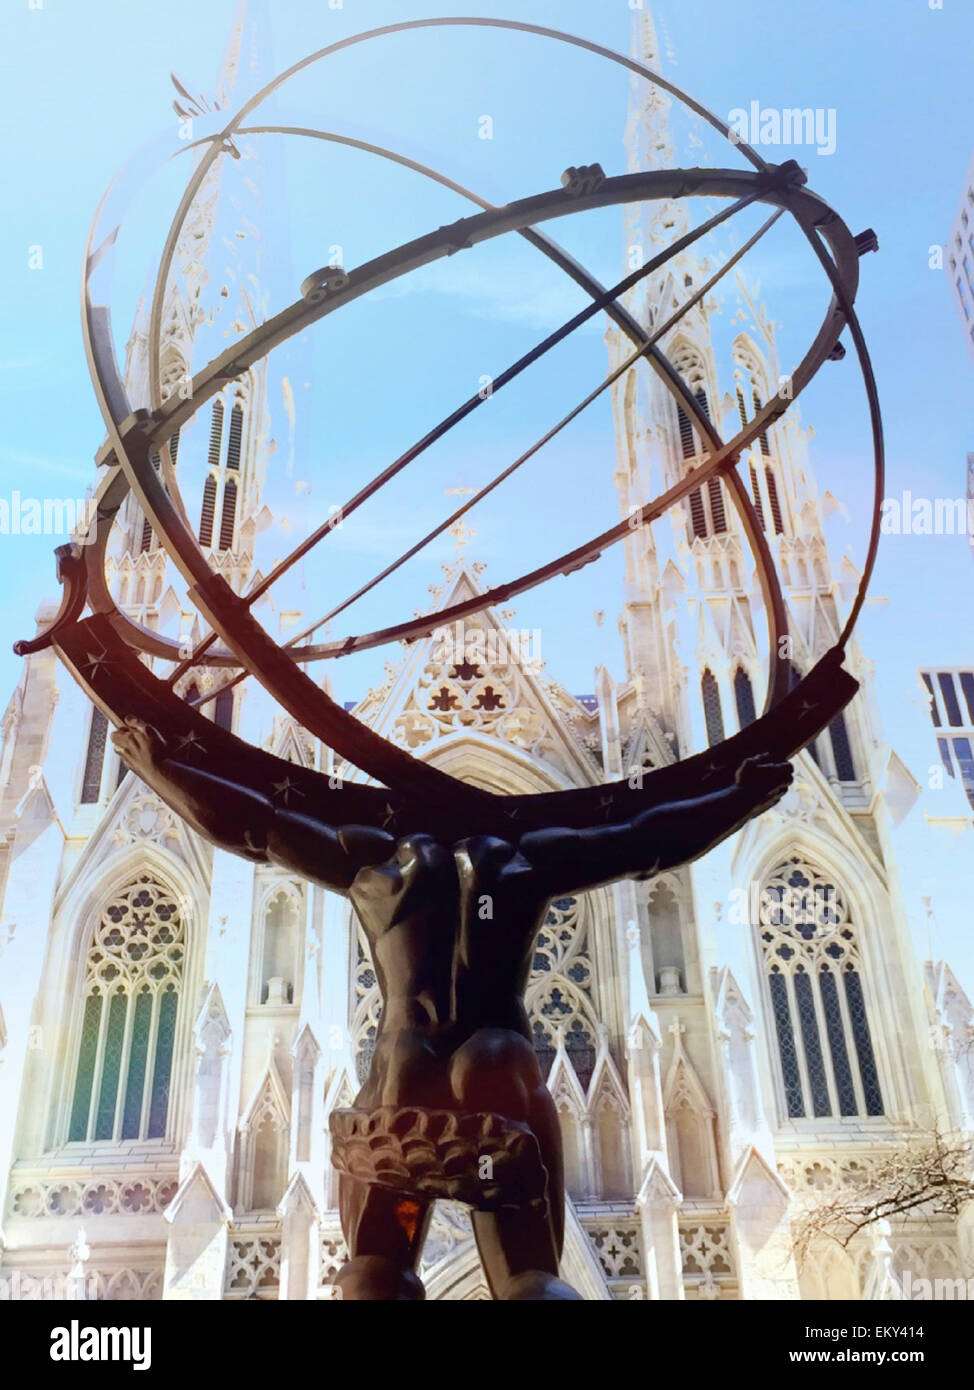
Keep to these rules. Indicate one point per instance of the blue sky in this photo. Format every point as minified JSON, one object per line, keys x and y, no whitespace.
{"x":87,"y":83}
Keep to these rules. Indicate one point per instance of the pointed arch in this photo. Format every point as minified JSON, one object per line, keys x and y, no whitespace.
{"x":744,"y":698}
{"x":263,"y":1154}
{"x":845,"y":766}
{"x":571,"y":1109}
{"x":228,"y":516}
{"x":609,"y":1117}
{"x":280,"y":915}
{"x":133,"y":976}
{"x":813,"y":967}
{"x":688,"y":362}
{"x":756,"y":494}
{"x":773,"y":500}
{"x":690,"y":1119}
{"x":666,"y":935}
{"x":828,"y":1272}
{"x":235,"y":436}
{"x":712,"y":712}
{"x":94,"y":757}
{"x":215,"y":451}
{"x":208,"y":510}
{"x":558,"y":997}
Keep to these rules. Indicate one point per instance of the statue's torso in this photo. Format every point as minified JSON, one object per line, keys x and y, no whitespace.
{"x":451,"y":930}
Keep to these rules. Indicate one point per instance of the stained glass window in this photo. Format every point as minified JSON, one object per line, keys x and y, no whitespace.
{"x":125,"y":1051}
{"x":837,"y":1043}
{"x":825,"y":1053}
{"x":744,"y":698}
{"x":559,"y":992}
{"x":842,"y":749}
{"x":811,"y":1044}
{"x":94,"y":758}
{"x":713,"y":717}
{"x":786,"y":1043}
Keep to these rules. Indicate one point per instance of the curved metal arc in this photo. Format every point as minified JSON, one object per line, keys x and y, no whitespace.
{"x":521,"y":216}
{"x":876,"y":425}
{"x":814,"y":206}
{"x":600,"y":302}
{"x":631,"y":361}
{"x":759,"y":426}
{"x":158,"y":505}
{"x":423,"y":250}
{"x":565,"y":564}
{"x":550,"y":434}
{"x":206,"y":163}
{"x":153,"y":641}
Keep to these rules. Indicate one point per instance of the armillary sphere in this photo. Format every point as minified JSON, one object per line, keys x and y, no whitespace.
{"x":103,"y":650}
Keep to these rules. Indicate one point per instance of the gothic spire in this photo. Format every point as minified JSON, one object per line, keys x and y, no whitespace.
{"x":247,"y":60}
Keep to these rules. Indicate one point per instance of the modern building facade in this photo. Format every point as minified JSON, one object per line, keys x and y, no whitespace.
{"x":727,"y":1045}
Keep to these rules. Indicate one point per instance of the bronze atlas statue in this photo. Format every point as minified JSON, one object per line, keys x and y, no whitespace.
{"x":454,"y":1104}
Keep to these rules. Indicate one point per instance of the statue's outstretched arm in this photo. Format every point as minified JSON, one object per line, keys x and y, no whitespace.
{"x":247,"y":822}
{"x":655,"y":840}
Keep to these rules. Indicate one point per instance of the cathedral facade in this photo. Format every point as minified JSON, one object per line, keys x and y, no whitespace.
{"x":728,"y":1045}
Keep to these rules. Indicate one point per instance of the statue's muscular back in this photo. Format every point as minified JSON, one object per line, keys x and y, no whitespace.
{"x":451,"y":930}
{"x":452,"y":926}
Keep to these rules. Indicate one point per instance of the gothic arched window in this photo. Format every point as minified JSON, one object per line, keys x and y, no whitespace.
{"x":698,"y":517}
{"x":814,"y":973}
{"x":776,"y":515}
{"x":559,"y":991}
{"x":687,"y":445}
{"x":145,"y":542}
{"x":712,"y":713}
{"x":744,"y":698}
{"x":235,"y":437}
{"x":207,"y":510}
{"x":758,"y":407}
{"x":94,"y":758}
{"x":229,"y":515}
{"x":717,"y":513}
{"x":133,"y":975}
{"x":216,"y":435}
{"x":845,"y":766}
{"x":756,"y":494}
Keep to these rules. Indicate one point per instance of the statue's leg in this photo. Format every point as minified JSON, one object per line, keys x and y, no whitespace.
{"x":520,"y":1247}
{"x":518,"y":1254}
{"x":496,"y":1069}
{"x":384,"y":1231}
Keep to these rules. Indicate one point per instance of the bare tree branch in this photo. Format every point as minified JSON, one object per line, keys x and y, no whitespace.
{"x":932,"y":1176}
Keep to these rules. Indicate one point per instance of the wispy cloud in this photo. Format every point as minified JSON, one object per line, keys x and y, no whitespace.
{"x":19,"y":466}
{"x":513,"y":294}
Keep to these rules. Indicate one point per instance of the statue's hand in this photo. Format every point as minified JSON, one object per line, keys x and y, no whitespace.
{"x":764,"y":782}
{"x":140,"y":745}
